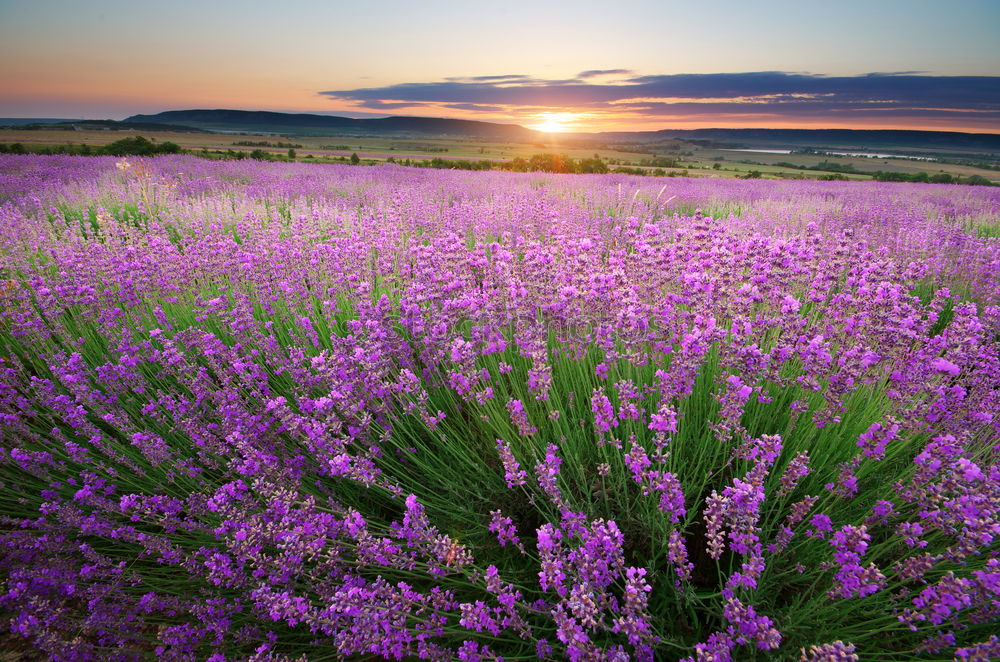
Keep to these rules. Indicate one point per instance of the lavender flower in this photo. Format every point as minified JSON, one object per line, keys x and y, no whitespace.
{"x":837,"y":651}
{"x":513,"y":473}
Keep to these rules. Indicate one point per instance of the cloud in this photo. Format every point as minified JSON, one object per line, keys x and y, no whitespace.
{"x":478,"y":107}
{"x":592,"y":73}
{"x":385,"y":105}
{"x":894,"y":73}
{"x":489,"y":79}
{"x":774,"y":94}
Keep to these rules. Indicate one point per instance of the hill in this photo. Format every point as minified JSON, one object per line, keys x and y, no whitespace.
{"x":21,"y":121}
{"x":798,"y":138}
{"x":244,"y":121}
{"x":100,"y":125}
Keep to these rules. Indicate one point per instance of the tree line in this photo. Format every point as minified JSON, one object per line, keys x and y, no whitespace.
{"x":137,"y":146}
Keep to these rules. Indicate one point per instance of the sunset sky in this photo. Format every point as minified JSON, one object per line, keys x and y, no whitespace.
{"x":578,"y":66}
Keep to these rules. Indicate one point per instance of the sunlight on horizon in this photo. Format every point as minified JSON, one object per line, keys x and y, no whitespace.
{"x":555,"y":122}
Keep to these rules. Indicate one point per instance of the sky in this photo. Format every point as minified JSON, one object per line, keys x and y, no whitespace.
{"x":557,"y":66}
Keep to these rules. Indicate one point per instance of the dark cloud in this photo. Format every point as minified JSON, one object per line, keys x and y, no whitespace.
{"x":803,"y":110}
{"x":384,"y":105}
{"x":590,"y":73}
{"x":895,"y":73}
{"x":476,"y":107}
{"x":489,"y":79}
{"x":770,"y":93}
{"x":548,"y":93}
{"x":904,"y":89}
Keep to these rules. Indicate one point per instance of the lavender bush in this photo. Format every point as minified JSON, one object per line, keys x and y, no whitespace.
{"x":283,"y":411}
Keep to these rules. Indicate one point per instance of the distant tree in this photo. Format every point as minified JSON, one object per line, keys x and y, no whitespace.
{"x":942,"y":178}
{"x":518,"y":165}
{"x":138,"y":146}
{"x":550,"y":163}
{"x":592,"y":165}
{"x":291,"y":154}
{"x":975,"y":180}
{"x":889,"y":176}
{"x":355,"y":159}
{"x":626,"y":170}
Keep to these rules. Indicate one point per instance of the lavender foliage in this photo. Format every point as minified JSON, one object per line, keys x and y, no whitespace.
{"x":265,"y":411}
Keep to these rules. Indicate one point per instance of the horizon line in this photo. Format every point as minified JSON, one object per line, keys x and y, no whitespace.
{"x":977,"y":131}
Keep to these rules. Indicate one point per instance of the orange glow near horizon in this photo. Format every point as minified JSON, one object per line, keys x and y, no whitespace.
{"x":612,"y":119}
{"x":556,"y":122}
{"x":609,"y":118}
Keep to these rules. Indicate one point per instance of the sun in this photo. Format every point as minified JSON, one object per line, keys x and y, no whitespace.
{"x":553,"y":122}
{"x":550,"y":125}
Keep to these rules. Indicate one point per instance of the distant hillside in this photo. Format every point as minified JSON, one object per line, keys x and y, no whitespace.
{"x":245,"y":121}
{"x":21,"y":121}
{"x":797,"y":138}
{"x":98,"y":125}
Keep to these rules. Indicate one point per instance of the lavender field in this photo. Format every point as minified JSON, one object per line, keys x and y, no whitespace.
{"x":287,"y":411}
